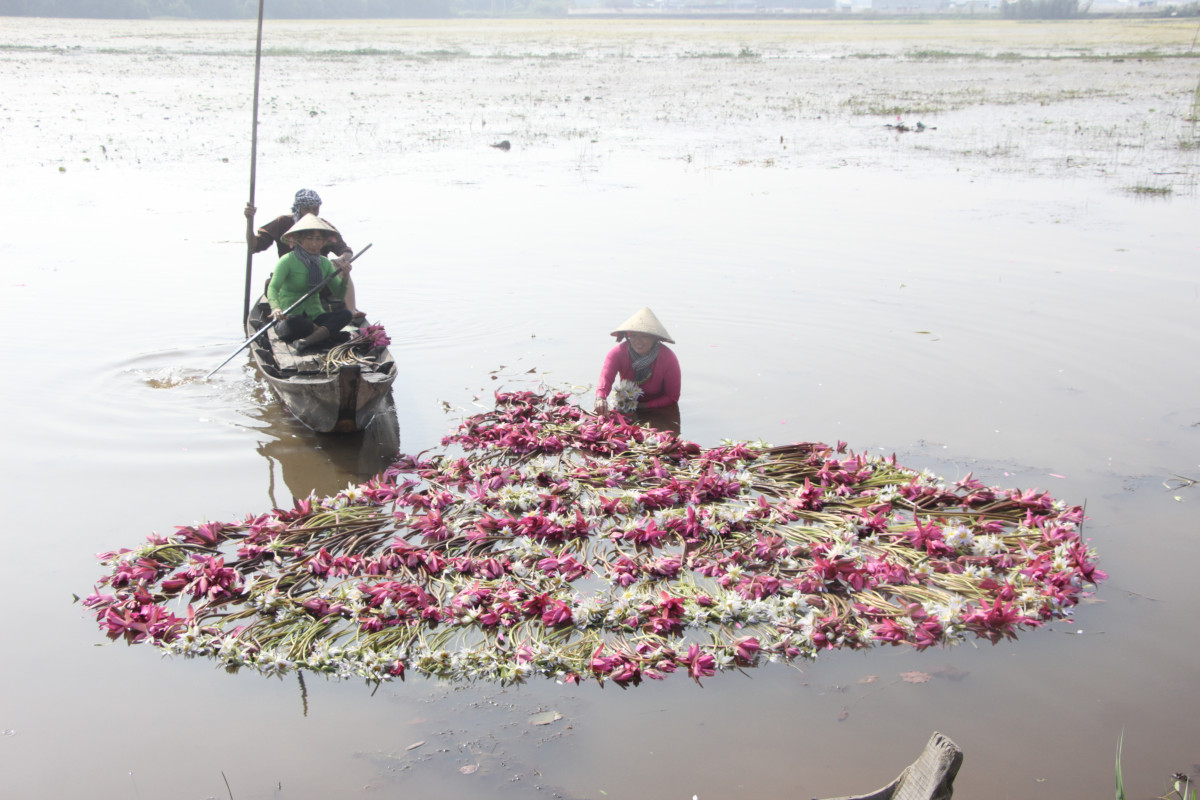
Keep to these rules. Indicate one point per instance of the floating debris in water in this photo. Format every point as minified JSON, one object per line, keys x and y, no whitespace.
{"x":545,"y":541}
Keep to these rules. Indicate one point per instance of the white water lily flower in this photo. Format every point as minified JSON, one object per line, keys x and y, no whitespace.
{"x":760,"y":611}
{"x":350,"y":594}
{"x":729,"y":608}
{"x":794,"y":605}
{"x":588,"y":611}
{"x":928,"y":477}
{"x":846,"y":543}
{"x":888,"y":493}
{"x":986,"y":545}
{"x":1057,"y":606}
{"x":187,"y":642}
{"x":958,"y":536}
{"x":268,"y":602}
{"x":1029,"y":596}
{"x":589,"y":504}
{"x":630,"y":498}
{"x":272,"y":662}
{"x":948,"y":610}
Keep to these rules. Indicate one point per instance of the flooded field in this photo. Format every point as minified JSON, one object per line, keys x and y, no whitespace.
{"x":970,"y":244}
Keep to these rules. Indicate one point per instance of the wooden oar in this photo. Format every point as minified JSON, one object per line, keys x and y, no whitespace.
{"x":253,"y":163}
{"x":289,"y":310}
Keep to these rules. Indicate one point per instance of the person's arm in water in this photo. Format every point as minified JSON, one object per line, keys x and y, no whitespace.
{"x":608,"y":374}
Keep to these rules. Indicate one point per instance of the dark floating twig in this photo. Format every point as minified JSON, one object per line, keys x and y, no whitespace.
{"x":1183,"y":482}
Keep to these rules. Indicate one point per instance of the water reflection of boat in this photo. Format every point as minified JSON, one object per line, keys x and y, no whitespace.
{"x":310,"y":462}
{"x":341,"y":402}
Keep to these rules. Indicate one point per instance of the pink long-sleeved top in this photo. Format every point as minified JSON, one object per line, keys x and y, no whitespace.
{"x":660,"y":389}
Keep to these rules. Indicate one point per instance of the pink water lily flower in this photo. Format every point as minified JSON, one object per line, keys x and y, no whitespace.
{"x":746,"y":650}
{"x":699,"y":663}
{"x":557,"y":613}
{"x":603,"y":665}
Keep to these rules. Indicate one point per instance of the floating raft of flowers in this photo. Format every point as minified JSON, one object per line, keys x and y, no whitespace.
{"x":542,"y":540}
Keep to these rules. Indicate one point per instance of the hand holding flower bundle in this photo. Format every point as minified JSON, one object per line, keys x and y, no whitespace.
{"x":625,"y":396}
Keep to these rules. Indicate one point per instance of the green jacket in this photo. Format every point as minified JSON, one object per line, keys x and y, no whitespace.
{"x":289,"y":282}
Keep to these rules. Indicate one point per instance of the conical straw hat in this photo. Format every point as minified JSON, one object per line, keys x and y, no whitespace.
{"x":310,"y":222}
{"x":644,"y":321}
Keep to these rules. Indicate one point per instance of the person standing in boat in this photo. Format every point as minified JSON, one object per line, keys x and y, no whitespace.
{"x":301,"y":269}
{"x":641,"y":357}
{"x":306,"y":202}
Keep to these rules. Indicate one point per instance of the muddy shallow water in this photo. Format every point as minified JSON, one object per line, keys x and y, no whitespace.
{"x":989,"y":294}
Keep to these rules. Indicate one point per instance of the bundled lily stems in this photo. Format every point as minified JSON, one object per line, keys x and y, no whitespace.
{"x":361,"y":349}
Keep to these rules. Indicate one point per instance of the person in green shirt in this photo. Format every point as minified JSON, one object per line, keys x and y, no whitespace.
{"x":335,"y":247}
{"x":298,"y":272}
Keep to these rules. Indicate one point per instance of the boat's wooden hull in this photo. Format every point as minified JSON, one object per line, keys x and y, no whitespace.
{"x":342,"y":402}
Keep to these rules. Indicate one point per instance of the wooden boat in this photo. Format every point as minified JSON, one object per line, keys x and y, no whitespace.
{"x":343,"y":401}
{"x":930,"y":777}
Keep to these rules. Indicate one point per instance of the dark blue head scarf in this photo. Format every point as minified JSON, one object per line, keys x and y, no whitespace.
{"x":305,"y":198}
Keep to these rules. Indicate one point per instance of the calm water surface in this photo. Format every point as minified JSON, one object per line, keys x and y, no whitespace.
{"x":1032,"y":323}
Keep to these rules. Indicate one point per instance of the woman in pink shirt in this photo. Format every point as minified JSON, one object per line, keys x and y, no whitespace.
{"x":641,"y":357}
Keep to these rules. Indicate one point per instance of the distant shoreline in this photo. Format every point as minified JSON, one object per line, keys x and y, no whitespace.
{"x":984,"y":11}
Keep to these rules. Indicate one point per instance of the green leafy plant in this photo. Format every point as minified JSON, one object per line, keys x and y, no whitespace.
{"x":1120,"y":777}
{"x":1181,"y":790}
{"x":1147,"y":190}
